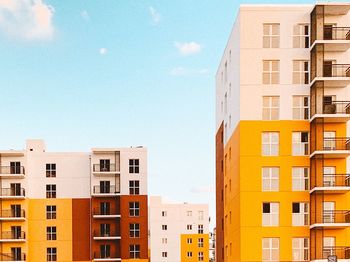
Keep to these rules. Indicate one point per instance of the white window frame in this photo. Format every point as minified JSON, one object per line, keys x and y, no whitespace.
{"x":200,"y":242}
{"x":300,"y":249}
{"x":200,"y":229}
{"x":200,"y":256}
{"x":300,"y":110}
{"x":271,"y":219}
{"x":270,"y":179}
{"x":299,"y":36}
{"x":299,"y":147}
{"x":300,"y":179}
{"x":270,"y":143}
{"x":271,"y":35}
{"x":302,"y":217}
{"x":271,"y":108}
{"x":301,"y":76}
{"x":271,"y":72}
{"x":269,"y":248}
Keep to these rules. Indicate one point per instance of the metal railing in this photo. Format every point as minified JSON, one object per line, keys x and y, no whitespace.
{"x":13,"y":235}
{"x":106,"y":168}
{"x":12,"y":213}
{"x":336,"y":143}
{"x":111,"y":233}
{"x":12,"y":170}
{"x":335,"y":180}
{"x":336,"y":216}
{"x":336,"y":33}
{"x":12,"y":192}
{"x":110,"y":212}
{"x":336,"y":107}
{"x":336,"y":70}
{"x":100,"y":255}
{"x":340,"y":252}
{"x":106,"y":189}
{"x":12,"y":257}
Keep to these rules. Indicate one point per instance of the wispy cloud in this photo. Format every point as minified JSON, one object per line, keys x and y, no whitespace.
{"x":103,"y":51}
{"x":188,"y":48}
{"x":27,"y":19}
{"x":203,"y":189}
{"x":85,"y":15}
{"x":155,"y":15}
{"x":181,"y":71}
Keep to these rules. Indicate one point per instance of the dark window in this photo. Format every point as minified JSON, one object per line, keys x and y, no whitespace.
{"x":266,"y":208}
{"x":105,"y":187}
{"x":296,"y":208}
{"x":134,"y":251}
{"x":134,"y":209}
{"x":15,"y":167}
{"x":50,"y":170}
{"x":105,"y":165}
{"x":51,"y":254}
{"x":134,"y":230}
{"x":50,"y":212}
{"x":134,"y":187}
{"x":105,"y":208}
{"x":134,"y":166}
{"x":105,"y":230}
{"x":51,"y":233}
{"x":50,"y":191}
{"x":105,"y":251}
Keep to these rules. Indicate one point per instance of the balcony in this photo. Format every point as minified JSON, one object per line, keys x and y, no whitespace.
{"x":334,"y":112}
{"x":12,"y":215}
{"x":11,"y":236}
{"x":340,"y":252}
{"x":112,"y":235}
{"x":107,"y":256}
{"x":332,"y":219}
{"x":12,"y":257}
{"x":338,"y":147}
{"x":10,"y":193}
{"x":106,"y":169}
{"x":333,"y":183}
{"x":334,"y":75}
{"x":335,"y":39}
{"x":12,"y":171}
{"x":106,"y":191}
{"x":102,"y":214}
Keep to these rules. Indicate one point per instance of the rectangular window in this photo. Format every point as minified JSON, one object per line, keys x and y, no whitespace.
{"x":200,"y":242}
{"x":105,"y":165}
{"x":271,"y":72}
{"x":200,"y":229}
{"x":15,"y":167}
{"x":50,"y":191}
{"x":271,"y":108}
{"x":164,"y":241}
{"x":200,"y":256}
{"x":270,"y":249}
{"x":189,"y":227}
{"x":105,"y":251}
{"x":164,"y":213}
{"x":300,"y":178}
{"x":51,"y":254}
{"x":134,"y":251}
{"x":270,"y":143}
{"x":301,"y":38}
{"x":134,"y":166}
{"x":270,"y":178}
{"x":164,"y":227}
{"x":164,"y":254}
{"x":270,"y":216}
{"x":189,"y":254}
{"x":50,"y":170}
{"x":189,"y":240}
{"x":134,"y":230}
{"x":300,"y":143}
{"x":300,"y":248}
{"x":189,"y":213}
{"x":300,"y":107}
{"x":50,"y":212}
{"x":300,"y":215}
{"x":300,"y":72}
{"x":134,"y":209}
{"x":134,"y":187}
{"x":271,"y":35}
{"x":200,"y":215}
{"x":51,"y":233}
{"x":105,"y":208}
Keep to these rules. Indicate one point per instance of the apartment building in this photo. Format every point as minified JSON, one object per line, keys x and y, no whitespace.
{"x":178,"y":232}
{"x":70,"y":206}
{"x":282,"y":146}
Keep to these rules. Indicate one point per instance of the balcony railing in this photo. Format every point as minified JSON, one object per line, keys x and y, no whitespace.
{"x":336,"y":70}
{"x":112,"y":233}
{"x":336,"y":216}
{"x":106,"y":168}
{"x":12,"y":192}
{"x":336,"y":33}
{"x":336,"y":180}
{"x":12,"y":257}
{"x":7,"y":235}
{"x":106,"y":190}
{"x":99,"y":212}
{"x":102,"y":255}
{"x":12,"y":213}
{"x":337,"y":107}
{"x":340,"y":252}
{"x":12,"y":170}
{"x":336,"y":143}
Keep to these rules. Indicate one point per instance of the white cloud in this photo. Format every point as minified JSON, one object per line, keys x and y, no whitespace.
{"x":103,"y":51}
{"x":27,"y":19}
{"x":203,"y":189}
{"x":188,"y":48}
{"x":156,"y":17}
{"x":181,"y":71}
{"x":85,"y":15}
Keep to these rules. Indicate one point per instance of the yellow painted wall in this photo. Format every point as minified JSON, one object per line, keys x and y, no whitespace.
{"x":193,"y":247}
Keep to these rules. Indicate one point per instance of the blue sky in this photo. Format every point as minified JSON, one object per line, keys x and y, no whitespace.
{"x":89,"y":73}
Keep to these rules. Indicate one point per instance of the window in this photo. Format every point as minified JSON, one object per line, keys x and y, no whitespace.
{"x":189,"y":213}
{"x":300,"y":72}
{"x":200,"y":215}
{"x":200,"y":242}
{"x":300,"y":178}
{"x":105,"y":165}
{"x":134,"y":187}
{"x":270,"y":216}
{"x":134,"y":230}
{"x":105,"y":208}
{"x":200,"y":256}
{"x":300,"y":248}
{"x":270,"y":249}
{"x":300,"y":143}
{"x":189,"y":254}
{"x":50,"y":170}
{"x":50,"y":212}
{"x":51,"y":254}
{"x":271,"y":72}
{"x":271,"y":35}
{"x":300,"y":107}
{"x":51,"y":233}
{"x":134,"y":209}
{"x":225,"y":103}
{"x":134,"y":251}
{"x":270,"y":143}
{"x":189,"y":227}
{"x":271,"y":105}
{"x":270,"y":178}
{"x":105,"y":251}
{"x":105,"y":230}
{"x":134,"y":166}
{"x":200,"y":229}
{"x":164,"y":241}
{"x":50,"y":191}
{"x":164,"y":213}
{"x":15,"y":167}
{"x":164,"y":254}
{"x":300,"y":215}
{"x":189,"y":240}
{"x":301,"y":37}
{"x":164,"y":227}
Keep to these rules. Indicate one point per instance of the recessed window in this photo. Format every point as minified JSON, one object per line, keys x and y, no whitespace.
{"x":164,"y":227}
{"x":300,"y":248}
{"x":134,"y":230}
{"x":300,"y":178}
{"x":300,"y":107}
{"x":134,"y":251}
{"x":51,"y":233}
{"x":164,"y":213}
{"x":51,"y":254}
{"x":300,"y":215}
{"x":270,"y":249}
{"x":50,"y":191}
{"x":50,"y":170}
{"x":50,"y":212}
{"x":134,"y":166}
{"x":189,"y":227}
{"x":164,"y":254}
{"x":301,"y":38}
{"x":300,"y":143}
{"x":200,"y":256}
{"x":270,"y":143}
{"x":134,"y":187}
{"x":270,"y":178}
{"x":189,"y":240}
{"x":270,"y":216}
{"x":200,"y":242}
{"x":164,"y":241}
{"x":134,"y":209}
{"x":271,"y":35}
{"x":271,"y":108}
{"x":200,"y":229}
{"x":189,"y":254}
{"x":271,"y":72}
{"x":300,"y":72}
